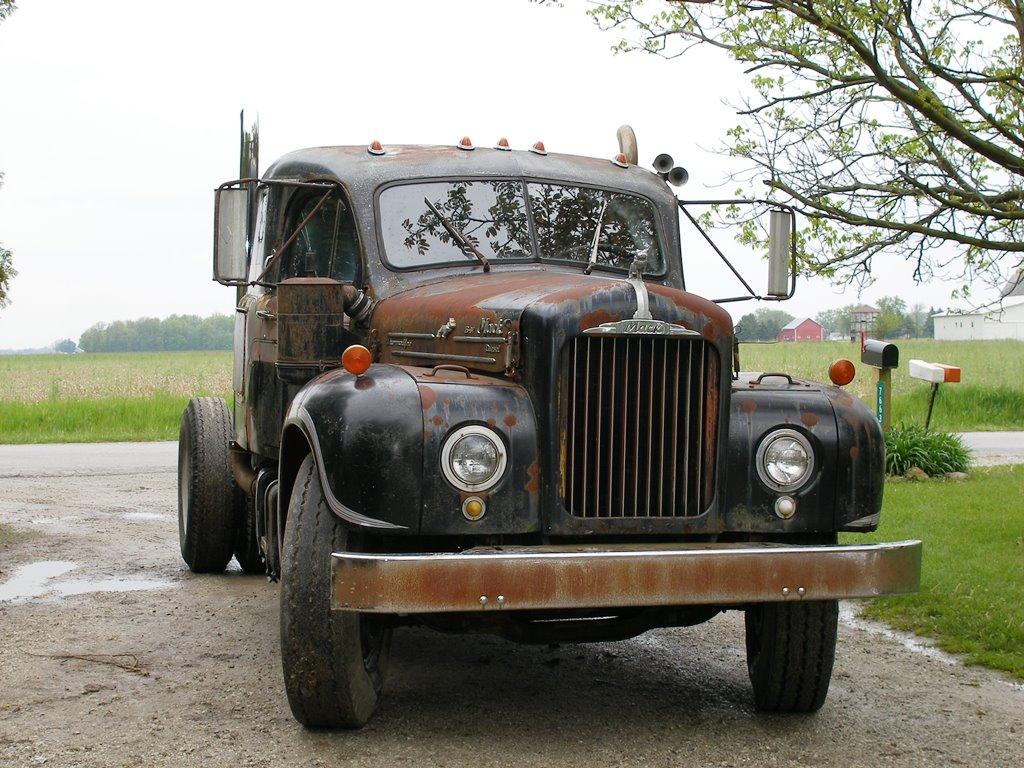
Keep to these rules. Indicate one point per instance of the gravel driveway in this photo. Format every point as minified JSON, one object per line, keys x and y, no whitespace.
{"x":93,"y":571}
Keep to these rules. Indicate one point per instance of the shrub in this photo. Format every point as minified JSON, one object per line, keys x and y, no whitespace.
{"x":936,"y":453}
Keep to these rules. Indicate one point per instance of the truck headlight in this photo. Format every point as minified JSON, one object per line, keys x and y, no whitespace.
{"x":473,"y":458}
{"x":785,"y":460}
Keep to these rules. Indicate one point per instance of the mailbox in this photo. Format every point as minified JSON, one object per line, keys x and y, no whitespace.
{"x":884,"y":357}
{"x":880,"y":354}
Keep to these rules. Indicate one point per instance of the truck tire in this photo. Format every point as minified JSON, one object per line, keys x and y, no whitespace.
{"x":207,"y":495}
{"x":790,"y":651}
{"x":334,"y":661}
{"x":247,"y":542}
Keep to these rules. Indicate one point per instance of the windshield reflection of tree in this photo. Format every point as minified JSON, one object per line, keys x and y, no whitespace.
{"x":566,"y":219}
{"x":499,"y":229}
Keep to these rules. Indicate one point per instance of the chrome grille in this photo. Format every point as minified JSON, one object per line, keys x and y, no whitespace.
{"x":640,"y":426}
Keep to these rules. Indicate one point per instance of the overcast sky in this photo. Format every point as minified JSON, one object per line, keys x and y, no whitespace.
{"x":117,"y":120}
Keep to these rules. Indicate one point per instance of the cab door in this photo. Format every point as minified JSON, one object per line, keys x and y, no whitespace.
{"x":245,"y":315}
{"x":315,"y":275}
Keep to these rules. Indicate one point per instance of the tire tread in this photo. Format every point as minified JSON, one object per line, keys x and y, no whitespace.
{"x":321,"y":650}
{"x":790,"y":654}
{"x":208,"y":543}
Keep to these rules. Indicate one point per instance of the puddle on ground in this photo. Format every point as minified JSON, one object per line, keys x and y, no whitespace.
{"x":52,"y":520}
{"x":849,"y":616}
{"x":145,"y":516}
{"x":40,"y":581}
{"x":127,"y":584}
{"x":31,"y":580}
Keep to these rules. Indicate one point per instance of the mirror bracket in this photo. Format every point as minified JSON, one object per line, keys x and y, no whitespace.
{"x":781,"y":213}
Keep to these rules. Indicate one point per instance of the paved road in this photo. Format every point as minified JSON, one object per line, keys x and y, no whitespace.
{"x":92,"y":571}
{"x":62,"y":459}
{"x":128,"y":458}
{"x":989,"y":448}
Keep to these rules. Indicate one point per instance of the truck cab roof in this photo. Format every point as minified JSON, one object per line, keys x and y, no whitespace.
{"x":364,"y":174}
{"x":362,"y":171}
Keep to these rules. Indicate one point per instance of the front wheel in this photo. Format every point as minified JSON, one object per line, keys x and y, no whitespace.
{"x":790,"y":651}
{"x":334,"y":661}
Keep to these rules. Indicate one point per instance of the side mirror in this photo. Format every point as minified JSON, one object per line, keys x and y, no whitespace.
{"x":231,"y":235}
{"x":780,"y":249}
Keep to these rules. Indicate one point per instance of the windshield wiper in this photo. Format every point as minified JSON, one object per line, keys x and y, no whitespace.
{"x":597,"y":239}
{"x":456,"y":234}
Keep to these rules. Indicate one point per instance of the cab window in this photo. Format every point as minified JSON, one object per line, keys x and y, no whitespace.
{"x":327,"y":245}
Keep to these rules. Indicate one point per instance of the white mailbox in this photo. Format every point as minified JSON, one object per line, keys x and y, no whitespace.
{"x":936,"y":373}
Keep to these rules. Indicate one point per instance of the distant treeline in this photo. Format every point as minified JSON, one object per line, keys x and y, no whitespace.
{"x":149,"y":334}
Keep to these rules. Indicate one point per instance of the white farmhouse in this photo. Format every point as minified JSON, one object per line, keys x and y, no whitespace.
{"x":1005,"y":322}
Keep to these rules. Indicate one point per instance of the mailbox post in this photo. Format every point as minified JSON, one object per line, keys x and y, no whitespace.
{"x":935,"y":373}
{"x":883,"y":357}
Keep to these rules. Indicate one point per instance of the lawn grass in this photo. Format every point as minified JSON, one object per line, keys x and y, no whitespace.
{"x":971,"y":600}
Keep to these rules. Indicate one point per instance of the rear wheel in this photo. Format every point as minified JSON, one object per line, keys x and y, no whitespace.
{"x":334,"y":661}
{"x":207,"y":494}
{"x":790,"y":651}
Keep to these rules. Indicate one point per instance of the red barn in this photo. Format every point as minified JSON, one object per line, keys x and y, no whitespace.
{"x":802,"y":329}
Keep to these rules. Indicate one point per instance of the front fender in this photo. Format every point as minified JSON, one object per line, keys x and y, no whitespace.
{"x":366,"y":435}
{"x":756,"y":410}
{"x":377,"y":439}
{"x":451,"y":399}
{"x":845,"y":493}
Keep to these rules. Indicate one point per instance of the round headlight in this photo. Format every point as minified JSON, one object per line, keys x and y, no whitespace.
{"x":473,"y":458}
{"x":785,"y":460}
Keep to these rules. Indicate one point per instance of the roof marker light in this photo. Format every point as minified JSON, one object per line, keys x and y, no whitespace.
{"x":620,"y":160}
{"x":375,"y":148}
{"x":538,"y":148}
{"x":503,"y":145}
{"x":465,"y":143}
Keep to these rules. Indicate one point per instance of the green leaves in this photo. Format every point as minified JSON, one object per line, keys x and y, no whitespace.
{"x":7,"y":273}
{"x":896,"y":126}
{"x":936,"y":453}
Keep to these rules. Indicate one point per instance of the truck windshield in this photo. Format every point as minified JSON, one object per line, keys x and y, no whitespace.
{"x":560,"y":224}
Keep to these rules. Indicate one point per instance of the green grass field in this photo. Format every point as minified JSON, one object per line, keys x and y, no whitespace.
{"x":989,"y":397}
{"x":972,"y":578}
{"x":104,"y":397}
{"x":140,"y":396}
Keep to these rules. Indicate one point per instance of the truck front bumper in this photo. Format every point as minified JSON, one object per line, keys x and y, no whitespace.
{"x":566,"y":577}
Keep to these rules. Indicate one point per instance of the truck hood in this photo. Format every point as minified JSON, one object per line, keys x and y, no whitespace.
{"x":480,"y":321}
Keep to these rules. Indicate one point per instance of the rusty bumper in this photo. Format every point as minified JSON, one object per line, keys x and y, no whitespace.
{"x":552,"y":577}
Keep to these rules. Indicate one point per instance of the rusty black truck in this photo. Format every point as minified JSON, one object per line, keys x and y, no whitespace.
{"x":472,"y":392}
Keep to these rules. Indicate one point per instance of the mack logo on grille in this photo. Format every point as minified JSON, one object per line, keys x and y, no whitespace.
{"x":640,"y":327}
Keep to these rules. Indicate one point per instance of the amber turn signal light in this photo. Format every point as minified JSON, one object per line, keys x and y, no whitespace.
{"x":841,"y":372}
{"x":356,"y":359}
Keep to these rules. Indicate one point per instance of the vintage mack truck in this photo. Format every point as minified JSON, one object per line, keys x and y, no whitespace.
{"x":472,"y":392}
